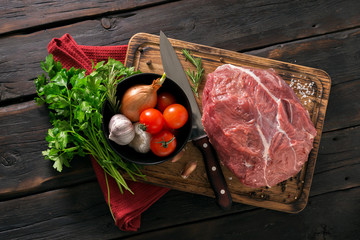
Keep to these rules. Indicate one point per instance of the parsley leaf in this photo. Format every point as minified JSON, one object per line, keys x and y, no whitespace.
{"x":75,"y":101}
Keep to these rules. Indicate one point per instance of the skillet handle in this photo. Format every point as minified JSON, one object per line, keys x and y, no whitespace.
{"x":214,"y":173}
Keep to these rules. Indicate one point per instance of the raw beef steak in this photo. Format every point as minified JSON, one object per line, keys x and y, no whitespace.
{"x":257,"y":125}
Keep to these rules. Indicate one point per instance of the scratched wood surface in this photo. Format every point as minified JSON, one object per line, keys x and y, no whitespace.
{"x":36,"y":202}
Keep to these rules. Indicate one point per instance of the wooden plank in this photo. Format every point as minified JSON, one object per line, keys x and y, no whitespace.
{"x":346,"y":176}
{"x":339,"y":148}
{"x":32,"y":48}
{"x":21,"y":15}
{"x":38,"y":158}
{"x":13,"y":69}
{"x":336,"y":53}
{"x":332,"y":212}
{"x":145,"y":47}
{"x":344,"y":104}
{"x":23,"y":127}
{"x":72,"y":216}
{"x":17,"y":80}
{"x":340,"y":113}
{"x":58,"y":214}
{"x":80,"y":212}
{"x":67,"y":213}
{"x":23,"y":169}
{"x":328,"y":216}
{"x":238,"y":31}
{"x":338,"y":162}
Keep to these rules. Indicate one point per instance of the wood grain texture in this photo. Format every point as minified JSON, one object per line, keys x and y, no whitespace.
{"x":336,"y":49}
{"x":342,"y":61}
{"x":328,"y":221}
{"x":20,"y":15}
{"x":23,"y":169}
{"x":342,"y":109}
{"x":339,"y":148}
{"x":338,"y":152}
{"x":290,"y":196}
{"x":237,"y":29}
{"x":36,"y":202}
{"x":175,"y":216}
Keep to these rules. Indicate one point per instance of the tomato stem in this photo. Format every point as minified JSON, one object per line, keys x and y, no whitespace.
{"x":142,"y":126}
{"x":166,"y":143}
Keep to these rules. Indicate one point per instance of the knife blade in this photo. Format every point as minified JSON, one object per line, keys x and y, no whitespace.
{"x":174,"y":70}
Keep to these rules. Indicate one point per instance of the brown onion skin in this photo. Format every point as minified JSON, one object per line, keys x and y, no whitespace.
{"x":138,"y":98}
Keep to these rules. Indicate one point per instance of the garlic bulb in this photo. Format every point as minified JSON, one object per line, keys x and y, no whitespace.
{"x":121,"y":129}
{"x":141,"y":141}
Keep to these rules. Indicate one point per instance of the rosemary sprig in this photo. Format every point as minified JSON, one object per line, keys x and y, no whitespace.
{"x":111,"y":90}
{"x":195,"y":77}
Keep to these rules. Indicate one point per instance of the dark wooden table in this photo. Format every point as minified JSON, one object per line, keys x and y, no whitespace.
{"x":36,"y":202}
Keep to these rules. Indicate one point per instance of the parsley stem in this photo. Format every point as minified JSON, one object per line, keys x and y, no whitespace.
{"x":75,"y":100}
{"x":108,"y":192}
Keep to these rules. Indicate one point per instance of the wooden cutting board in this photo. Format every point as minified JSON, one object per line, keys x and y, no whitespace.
{"x":312,"y":86}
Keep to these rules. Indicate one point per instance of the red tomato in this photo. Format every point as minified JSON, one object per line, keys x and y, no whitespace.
{"x":164,"y":99}
{"x":167,"y":128}
{"x":152,"y":119}
{"x":163,"y":143}
{"x":175,"y":116}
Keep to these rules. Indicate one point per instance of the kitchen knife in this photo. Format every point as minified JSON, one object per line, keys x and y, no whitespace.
{"x":173,"y":69}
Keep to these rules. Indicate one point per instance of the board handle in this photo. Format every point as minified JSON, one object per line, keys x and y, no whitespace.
{"x":214,"y":173}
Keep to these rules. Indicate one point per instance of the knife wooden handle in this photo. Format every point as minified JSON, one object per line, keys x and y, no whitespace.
{"x":214,"y":173}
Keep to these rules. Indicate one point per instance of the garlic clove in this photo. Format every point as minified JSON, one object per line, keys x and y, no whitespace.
{"x":178,"y":156}
{"x":121,"y":129}
{"x":141,"y":141}
{"x":189,"y":168}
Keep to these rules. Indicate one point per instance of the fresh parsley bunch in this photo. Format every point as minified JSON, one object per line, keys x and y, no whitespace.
{"x":75,"y":101}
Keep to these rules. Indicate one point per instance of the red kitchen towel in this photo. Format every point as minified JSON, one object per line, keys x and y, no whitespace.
{"x":126,"y":207}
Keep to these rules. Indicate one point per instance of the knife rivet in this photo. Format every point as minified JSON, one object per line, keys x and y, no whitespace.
{"x":222,"y":59}
{"x":205,"y":145}
{"x":222,"y":191}
{"x":148,"y":62}
{"x":213,"y":168}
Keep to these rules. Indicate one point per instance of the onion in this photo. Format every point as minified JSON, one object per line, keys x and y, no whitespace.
{"x":140,"y":97}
